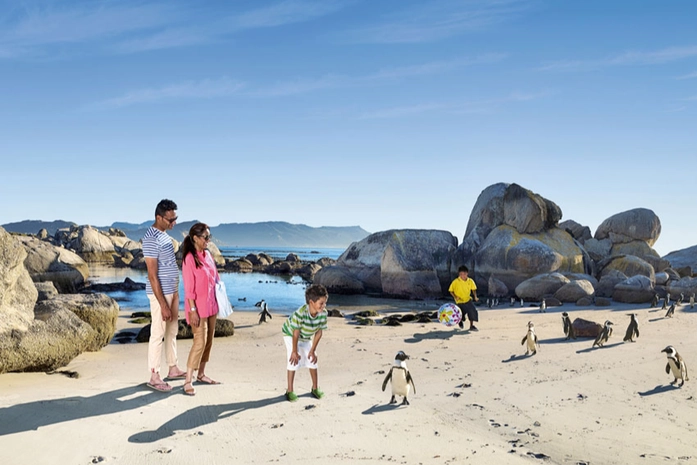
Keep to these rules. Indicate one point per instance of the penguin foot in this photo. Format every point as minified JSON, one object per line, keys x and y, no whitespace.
{"x":393,"y":400}
{"x":674,"y":381}
{"x":405,"y":401}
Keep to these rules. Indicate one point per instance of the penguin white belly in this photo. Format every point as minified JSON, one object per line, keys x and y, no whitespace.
{"x":400,"y":386}
{"x":676,"y":369}
{"x":531,"y":342}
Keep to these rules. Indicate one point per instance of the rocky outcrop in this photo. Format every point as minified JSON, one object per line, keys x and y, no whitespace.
{"x":539,"y":286}
{"x":642,"y":250}
{"x":683,"y":258}
{"x":606,"y":285}
{"x":575,"y":290}
{"x":97,"y":310}
{"x":93,"y":245}
{"x":241,"y":265}
{"x":686,"y":286}
{"x":634,"y":290}
{"x":579,"y":232}
{"x":216,"y":254}
{"x":407,"y":263}
{"x":47,"y":262}
{"x":629,"y":265}
{"x":17,"y":291}
{"x":639,"y":224}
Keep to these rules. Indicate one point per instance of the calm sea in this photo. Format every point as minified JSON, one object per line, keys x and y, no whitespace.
{"x":283,"y":294}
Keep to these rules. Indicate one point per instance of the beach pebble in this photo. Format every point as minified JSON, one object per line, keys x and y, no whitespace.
{"x":309,"y":407}
{"x":98,"y":459}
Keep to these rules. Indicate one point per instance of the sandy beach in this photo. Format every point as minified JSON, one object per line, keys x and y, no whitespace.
{"x":478,"y":399}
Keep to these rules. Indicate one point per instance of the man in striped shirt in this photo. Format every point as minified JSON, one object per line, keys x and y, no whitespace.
{"x":301,"y":333}
{"x":162,"y":289}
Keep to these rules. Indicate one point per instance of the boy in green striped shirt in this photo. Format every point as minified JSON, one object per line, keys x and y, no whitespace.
{"x":302,"y":332}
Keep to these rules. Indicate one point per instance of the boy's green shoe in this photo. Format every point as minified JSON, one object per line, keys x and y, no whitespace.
{"x":317,"y":394}
{"x":291,"y":397}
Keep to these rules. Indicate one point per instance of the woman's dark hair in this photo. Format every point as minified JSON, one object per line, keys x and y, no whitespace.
{"x":188,"y":247}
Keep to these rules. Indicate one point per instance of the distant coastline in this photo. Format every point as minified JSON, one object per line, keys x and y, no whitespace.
{"x":263,"y":234}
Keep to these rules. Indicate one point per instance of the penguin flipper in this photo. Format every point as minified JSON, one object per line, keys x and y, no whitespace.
{"x":667,"y":368}
{"x":387,"y":378}
{"x":524,"y":339}
{"x":410,"y":380}
{"x":636,"y":332}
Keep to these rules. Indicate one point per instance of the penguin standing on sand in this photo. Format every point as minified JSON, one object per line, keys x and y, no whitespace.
{"x":671,"y":311}
{"x":654,"y":301}
{"x":543,"y":306}
{"x":568,"y":327}
{"x":692,"y":301}
{"x":401,"y":379}
{"x":632,"y":329}
{"x":531,"y":340}
{"x":665,"y":304}
{"x":676,"y":365}
{"x":512,"y":301}
{"x":604,"y":335}
{"x":264,"y":311}
{"x":680,"y":299}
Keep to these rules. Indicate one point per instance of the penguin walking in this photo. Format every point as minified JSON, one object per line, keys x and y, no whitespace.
{"x":604,"y":335}
{"x":531,"y":340}
{"x":264,"y":312}
{"x":522,"y":302}
{"x":543,"y":306}
{"x":568,"y":327}
{"x":676,"y":365}
{"x":632,"y":329}
{"x":668,"y":298}
{"x":654,"y":301}
{"x":512,"y":301}
{"x":401,"y":379}
{"x":665,"y":304}
{"x":671,"y":311}
{"x":692,"y":301}
{"x":680,"y":299}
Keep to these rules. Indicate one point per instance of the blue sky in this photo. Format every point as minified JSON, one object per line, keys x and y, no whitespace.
{"x":384,"y":113}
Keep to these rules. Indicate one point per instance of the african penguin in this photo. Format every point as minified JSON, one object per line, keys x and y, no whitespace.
{"x":671,"y":311}
{"x":676,"y":365}
{"x":665,"y":304}
{"x":654,"y":301}
{"x":680,"y":299}
{"x":401,"y":379}
{"x":531,"y":340}
{"x":512,"y":301}
{"x":522,"y":302}
{"x":543,"y":306}
{"x":568,"y":326}
{"x":692,"y":301}
{"x":264,"y":312}
{"x":632,"y":329}
{"x":604,"y":335}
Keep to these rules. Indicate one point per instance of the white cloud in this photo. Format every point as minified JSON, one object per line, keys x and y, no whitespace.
{"x":688,"y":76}
{"x":207,"y":88}
{"x":435,"y":20}
{"x":631,"y":58}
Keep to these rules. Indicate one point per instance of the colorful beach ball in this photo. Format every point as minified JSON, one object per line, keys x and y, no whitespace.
{"x":449,"y":314}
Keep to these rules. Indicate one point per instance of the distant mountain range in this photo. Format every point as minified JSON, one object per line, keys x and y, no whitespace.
{"x":265,"y":234}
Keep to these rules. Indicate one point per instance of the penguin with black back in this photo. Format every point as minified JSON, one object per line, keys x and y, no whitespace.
{"x":568,"y":326}
{"x":671,"y":311}
{"x":264,"y":312}
{"x":604,"y":335}
{"x":530,"y":340}
{"x":543,"y":306}
{"x":632,"y":329}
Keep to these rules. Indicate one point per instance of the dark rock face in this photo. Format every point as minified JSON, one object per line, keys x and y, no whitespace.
{"x":585,"y":328}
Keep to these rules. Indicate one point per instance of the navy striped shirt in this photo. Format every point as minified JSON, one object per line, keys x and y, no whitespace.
{"x":158,"y":244}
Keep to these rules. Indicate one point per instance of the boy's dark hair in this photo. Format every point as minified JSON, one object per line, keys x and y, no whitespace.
{"x":463,"y":268}
{"x":164,"y":206}
{"x":315,"y":292}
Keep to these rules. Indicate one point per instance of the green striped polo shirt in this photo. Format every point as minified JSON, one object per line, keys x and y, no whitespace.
{"x":302,"y":320}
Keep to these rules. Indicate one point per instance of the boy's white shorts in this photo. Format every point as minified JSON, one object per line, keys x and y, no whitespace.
{"x":303,"y":349}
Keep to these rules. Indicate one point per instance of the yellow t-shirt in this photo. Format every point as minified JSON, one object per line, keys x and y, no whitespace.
{"x":462,"y":289}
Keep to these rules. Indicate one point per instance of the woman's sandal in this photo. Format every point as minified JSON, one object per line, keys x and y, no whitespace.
{"x":190,"y":391}
{"x":206,"y":380}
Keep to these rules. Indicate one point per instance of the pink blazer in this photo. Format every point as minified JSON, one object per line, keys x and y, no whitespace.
{"x":199,"y":284}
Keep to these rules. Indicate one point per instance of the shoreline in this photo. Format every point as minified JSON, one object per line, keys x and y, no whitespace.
{"x":478,"y":398}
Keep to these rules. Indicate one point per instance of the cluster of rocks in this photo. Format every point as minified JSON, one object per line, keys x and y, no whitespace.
{"x":515,"y":245}
{"x":264,"y":263}
{"x":40,"y":329}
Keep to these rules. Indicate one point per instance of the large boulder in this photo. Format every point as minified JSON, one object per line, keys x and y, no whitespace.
{"x":416,"y":264}
{"x":17,"y":291}
{"x":497,"y":288}
{"x":607,"y":283}
{"x":241,"y":265}
{"x":539,"y":286}
{"x":308,"y":271}
{"x":637,"y":224}
{"x":575,"y":290}
{"x":586,"y":328}
{"x":216,"y":254}
{"x":634,"y":290}
{"x":93,"y":245}
{"x":598,"y":250}
{"x":97,"y":310}
{"x":527,"y":212}
{"x":629,"y":265}
{"x":46,"y":262}
{"x":642,"y":250}
{"x":682,"y":258}
{"x":47,"y":344}
{"x":686,"y":286}
{"x":338,"y":280}
{"x":513,"y":257}
{"x":579,"y":232}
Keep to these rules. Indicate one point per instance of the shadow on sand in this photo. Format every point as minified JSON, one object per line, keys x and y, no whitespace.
{"x":381,"y":408}
{"x":438,"y":334}
{"x":199,"y":416}
{"x":33,"y":415}
{"x":659,"y":389}
{"x":516,"y":358}
{"x":606,"y":346}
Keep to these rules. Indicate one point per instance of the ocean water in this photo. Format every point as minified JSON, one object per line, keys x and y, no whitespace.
{"x":283,"y":294}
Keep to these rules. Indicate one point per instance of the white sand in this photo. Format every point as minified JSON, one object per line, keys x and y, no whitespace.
{"x":569,"y":402}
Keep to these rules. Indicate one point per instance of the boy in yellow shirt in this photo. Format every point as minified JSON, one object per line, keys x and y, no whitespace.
{"x":463,"y":289}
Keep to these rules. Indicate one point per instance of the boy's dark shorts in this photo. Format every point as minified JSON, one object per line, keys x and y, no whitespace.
{"x":468,"y":309}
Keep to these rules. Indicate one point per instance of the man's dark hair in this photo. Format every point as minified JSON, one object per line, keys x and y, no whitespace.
{"x":463,"y":268}
{"x":315,"y":292}
{"x":164,"y":206}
